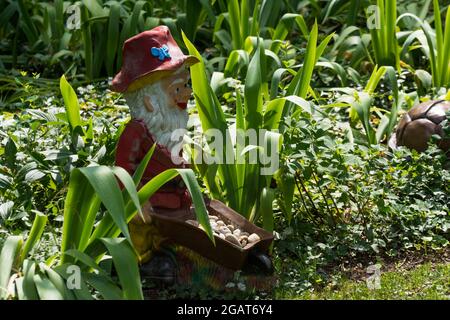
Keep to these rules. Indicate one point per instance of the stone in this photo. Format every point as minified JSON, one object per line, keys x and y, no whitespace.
{"x":224,"y":230}
{"x":220,"y":223}
{"x":253,"y":238}
{"x":231,"y":238}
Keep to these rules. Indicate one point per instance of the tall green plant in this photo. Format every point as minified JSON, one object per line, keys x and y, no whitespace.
{"x":383,"y":33}
{"x":240,"y":27}
{"x":436,"y":46}
{"x":116,"y":22}
{"x":362,"y":112}
{"x":241,"y":185}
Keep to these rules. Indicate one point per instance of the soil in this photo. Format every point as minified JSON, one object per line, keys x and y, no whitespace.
{"x":356,"y":269}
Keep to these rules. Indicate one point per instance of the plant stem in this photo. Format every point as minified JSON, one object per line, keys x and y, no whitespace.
{"x":324,"y":197}
{"x":307,"y":193}
{"x":303,"y":199}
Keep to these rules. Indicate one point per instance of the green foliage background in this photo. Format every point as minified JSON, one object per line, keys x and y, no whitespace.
{"x":309,"y":72}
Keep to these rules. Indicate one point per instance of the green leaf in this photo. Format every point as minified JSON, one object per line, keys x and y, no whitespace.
{"x":200,"y":209}
{"x":58,"y":282}
{"x":34,"y":236}
{"x":10,"y":250}
{"x":362,"y":108}
{"x":322,"y":46}
{"x":137,"y":176}
{"x":125,"y":262}
{"x":80,"y":207}
{"x":253,"y":89}
{"x":107,"y":288}
{"x":46,"y":289}
{"x":94,"y":7}
{"x":105,"y":185}
{"x":286,"y":183}
{"x":10,"y":153}
{"x":81,"y":293}
{"x":84,"y":258}
{"x":71,"y":103}
{"x":234,"y":19}
{"x":87,"y":40}
{"x":300,"y":84}
{"x":113,"y":37}
{"x":28,"y":284}
{"x":445,"y":77}
{"x":266,"y":203}
{"x":129,"y":185}
{"x":27,"y":24}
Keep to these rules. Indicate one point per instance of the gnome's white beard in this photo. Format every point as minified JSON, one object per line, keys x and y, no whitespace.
{"x":163,"y":120}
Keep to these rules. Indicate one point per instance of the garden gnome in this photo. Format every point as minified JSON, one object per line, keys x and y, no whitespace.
{"x":154,"y":80}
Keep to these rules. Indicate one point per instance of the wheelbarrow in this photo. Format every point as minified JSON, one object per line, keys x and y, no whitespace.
{"x":224,"y":252}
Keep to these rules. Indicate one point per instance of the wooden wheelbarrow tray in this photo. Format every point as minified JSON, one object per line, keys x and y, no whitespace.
{"x":224,"y":253}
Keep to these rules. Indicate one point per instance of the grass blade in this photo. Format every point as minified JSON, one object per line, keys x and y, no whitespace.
{"x":439,"y":38}
{"x":87,"y":42}
{"x":113,"y":37}
{"x":234,"y":22}
{"x":391,"y":42}
{"x":253,"y":90}
{"x":299,"y":86}
{"x":445,"y":77}
{"x":34,"y":236}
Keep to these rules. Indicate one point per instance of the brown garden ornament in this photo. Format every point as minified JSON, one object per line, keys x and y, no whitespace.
{"x":418,"y":125}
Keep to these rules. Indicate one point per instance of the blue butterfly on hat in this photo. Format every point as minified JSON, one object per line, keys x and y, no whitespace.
{"x":161,"y":53}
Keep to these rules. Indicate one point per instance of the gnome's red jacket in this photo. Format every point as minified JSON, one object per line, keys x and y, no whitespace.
{"x":134,"y":143}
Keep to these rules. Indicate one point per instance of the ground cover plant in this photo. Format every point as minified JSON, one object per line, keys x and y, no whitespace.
{"x":328,"y":81}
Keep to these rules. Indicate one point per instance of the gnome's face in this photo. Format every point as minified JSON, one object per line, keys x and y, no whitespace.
{"x":162,"y":106}
{"x":178,"y":89}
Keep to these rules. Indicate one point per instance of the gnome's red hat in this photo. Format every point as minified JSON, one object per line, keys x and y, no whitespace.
{"x":147,"y":57}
